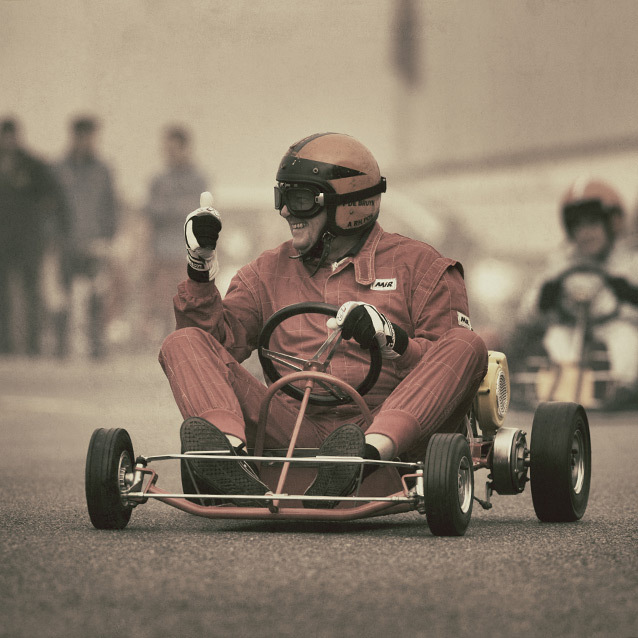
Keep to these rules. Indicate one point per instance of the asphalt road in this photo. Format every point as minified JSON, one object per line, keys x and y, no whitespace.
{"x":171,"y":574}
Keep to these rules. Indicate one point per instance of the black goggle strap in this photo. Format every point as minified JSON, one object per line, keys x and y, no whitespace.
{"x":333,"y":199}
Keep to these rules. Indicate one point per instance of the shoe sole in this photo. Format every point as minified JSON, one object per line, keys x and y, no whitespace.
{"x":221,"y":477}
{"x":337,"y":479}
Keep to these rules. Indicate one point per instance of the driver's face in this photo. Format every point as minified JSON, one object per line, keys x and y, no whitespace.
{"x":305,"y":232}
{"x":591,"y":239}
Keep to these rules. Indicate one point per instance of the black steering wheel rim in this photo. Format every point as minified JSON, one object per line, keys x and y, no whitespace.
{"x":272,"y":374}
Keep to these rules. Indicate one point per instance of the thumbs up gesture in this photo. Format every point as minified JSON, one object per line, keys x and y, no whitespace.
{"x":201,"y":232}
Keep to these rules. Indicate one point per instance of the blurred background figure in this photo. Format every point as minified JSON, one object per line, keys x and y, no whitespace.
{"x":30,"y":212}
{"x":174,"y":190}
{"x":92,"y":207}
{"x":587,"y":300}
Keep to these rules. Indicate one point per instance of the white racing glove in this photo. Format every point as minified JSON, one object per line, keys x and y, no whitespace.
{"x":364,"y":323}
{"x":201,"y":232}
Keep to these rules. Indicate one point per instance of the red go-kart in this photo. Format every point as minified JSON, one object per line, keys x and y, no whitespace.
{"x":557,"y":462}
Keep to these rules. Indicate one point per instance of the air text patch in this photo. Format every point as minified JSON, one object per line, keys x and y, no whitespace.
{"x":384,"y":284}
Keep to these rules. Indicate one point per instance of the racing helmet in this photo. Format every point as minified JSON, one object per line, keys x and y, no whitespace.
{"x":342,"y":176}
{"x":595,"y":199}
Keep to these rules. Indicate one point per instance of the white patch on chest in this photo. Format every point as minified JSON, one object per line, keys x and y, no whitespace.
{"x":384,"y":284}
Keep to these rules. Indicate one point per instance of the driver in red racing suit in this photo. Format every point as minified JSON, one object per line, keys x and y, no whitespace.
{"x":396,"y":290}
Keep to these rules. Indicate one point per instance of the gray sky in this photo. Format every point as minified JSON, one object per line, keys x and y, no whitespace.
{"x":252,"y":77}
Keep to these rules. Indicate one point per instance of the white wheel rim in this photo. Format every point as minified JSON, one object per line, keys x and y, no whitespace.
{"x":577,"y":461}
{"x":125,"y":475}
{"x":465,"y":485}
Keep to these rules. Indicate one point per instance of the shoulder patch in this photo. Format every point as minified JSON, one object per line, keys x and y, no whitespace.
{"x":384,"y":284}
{"x":464,"y":320}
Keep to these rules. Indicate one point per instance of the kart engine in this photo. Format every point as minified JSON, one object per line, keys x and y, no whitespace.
{"x":493,"y":397}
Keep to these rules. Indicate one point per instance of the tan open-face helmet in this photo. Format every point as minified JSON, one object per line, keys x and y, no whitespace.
{"x":342,"y":176}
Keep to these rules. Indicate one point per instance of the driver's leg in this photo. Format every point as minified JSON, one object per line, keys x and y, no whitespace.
{"x":216,"y":397}
{"x":562,"y":344}
{"x":207,"y":382}
{"x":436,"y":395}
{"x":621,"y":340}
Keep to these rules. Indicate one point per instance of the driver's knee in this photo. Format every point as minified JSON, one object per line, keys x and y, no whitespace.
{"x":191,"y":343}
{"x":467,"y":351}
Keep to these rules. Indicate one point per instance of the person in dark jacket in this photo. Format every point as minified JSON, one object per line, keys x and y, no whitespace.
{"x":90,"y":197}
{"x":30,"y":212}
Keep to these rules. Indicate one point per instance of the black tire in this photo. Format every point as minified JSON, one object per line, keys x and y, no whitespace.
{"x":448,"y":485}
{"x":560,"y":462}
{"x":110,"y":452}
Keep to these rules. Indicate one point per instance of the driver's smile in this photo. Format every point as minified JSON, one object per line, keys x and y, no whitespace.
{"x":305,"y":232}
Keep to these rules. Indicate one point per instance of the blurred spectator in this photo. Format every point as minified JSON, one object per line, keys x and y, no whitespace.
{"x":90,"y":197}
{"x":175,"y":190}
{"x":30,"y":212}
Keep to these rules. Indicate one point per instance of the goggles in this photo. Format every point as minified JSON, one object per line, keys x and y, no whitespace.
{"x":302,"y":201}
{"x":586,"y":212}
{"x":307,"y":200}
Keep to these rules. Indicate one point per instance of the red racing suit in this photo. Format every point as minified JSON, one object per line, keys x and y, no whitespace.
{"x":427,"y":389}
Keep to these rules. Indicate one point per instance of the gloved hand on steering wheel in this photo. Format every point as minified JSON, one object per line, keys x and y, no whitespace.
{"x":364,"y":323}
{"x":201,"y":232}
{"x":624,"y":290}
{"x":549,"y":295}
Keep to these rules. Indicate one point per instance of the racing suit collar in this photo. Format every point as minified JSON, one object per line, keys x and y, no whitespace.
{"x":361,"y":256}
{"x":364,"y":260}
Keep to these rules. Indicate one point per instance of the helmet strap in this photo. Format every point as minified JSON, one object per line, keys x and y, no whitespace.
{"x":326,"y":239}
{"x":319,"y":250}
{"x":311,"y":252}
{"x":335,"y":199}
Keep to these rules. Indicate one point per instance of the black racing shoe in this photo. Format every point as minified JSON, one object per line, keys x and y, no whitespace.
{"x":219,"y":477}
{"x":338,"y":479}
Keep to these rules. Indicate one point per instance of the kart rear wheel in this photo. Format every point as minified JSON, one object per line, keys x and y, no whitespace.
{"x":448,"y":485}
{"x":560,"y":462}
{"x":109,"y":465}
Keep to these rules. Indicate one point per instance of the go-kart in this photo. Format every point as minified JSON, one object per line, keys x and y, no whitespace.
{"x":568,"y":362}
{"x":440,"y":486}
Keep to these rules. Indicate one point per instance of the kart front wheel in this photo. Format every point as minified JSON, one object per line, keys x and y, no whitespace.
{"x":448,"y":484}
{"x":109,"y":467}
{"x":560,"y":462}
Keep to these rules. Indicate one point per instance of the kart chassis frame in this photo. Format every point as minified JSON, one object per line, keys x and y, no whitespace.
{"x":138,"y":484}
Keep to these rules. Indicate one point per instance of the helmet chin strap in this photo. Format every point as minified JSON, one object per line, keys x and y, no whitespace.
{"x":323,"y":243}
{"x":327,"y":239}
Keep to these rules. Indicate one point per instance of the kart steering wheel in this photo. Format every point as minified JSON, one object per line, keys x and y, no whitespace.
{"x":566,"y":313}
{"x":336,"y":396}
